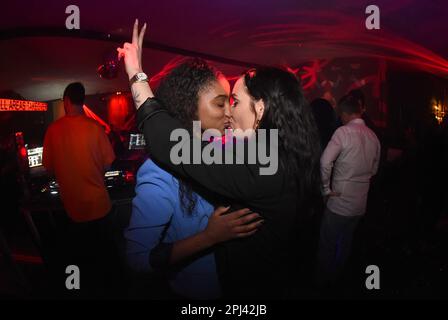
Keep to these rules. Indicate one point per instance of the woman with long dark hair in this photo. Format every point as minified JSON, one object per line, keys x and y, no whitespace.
{"x":276,"y":101}
{"x":259,"y":266}
{"x":172,"y":228}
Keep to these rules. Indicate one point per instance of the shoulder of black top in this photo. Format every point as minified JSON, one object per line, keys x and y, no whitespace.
{"x":148,"y":109}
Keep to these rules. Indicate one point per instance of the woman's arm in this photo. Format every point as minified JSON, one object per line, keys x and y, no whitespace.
{"x":221,"y":227}
{"x":235,"y":181}
{"x":148,"y":223}
{"x":240,"y":182}
{"x":132,"y":54}
{"x":152,"y":212}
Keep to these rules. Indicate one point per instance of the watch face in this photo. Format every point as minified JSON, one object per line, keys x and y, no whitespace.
{"x":141,"y":76}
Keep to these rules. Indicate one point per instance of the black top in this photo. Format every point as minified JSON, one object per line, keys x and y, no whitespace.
{"x":257,"y":266}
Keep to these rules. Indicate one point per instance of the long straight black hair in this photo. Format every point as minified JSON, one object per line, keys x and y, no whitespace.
{"x":286,"y":109}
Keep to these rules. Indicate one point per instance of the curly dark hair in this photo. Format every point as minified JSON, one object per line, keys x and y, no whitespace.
{"x":287,"y":110}
{"x":179,"y":91}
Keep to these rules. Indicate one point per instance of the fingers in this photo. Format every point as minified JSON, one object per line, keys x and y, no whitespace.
{"x":121,"y":53}
{"x":246,"y":234}
{"x":135,"y":33}
{"x":220,"y":210}
{"x":248,"y":227}
{"x":245,"y":219}
{"x":141,"y":36}
{"x":239,"y":213}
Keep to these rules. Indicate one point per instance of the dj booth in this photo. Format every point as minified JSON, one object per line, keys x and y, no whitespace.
{"x":42,"y":205}
{"x":38,"y":199}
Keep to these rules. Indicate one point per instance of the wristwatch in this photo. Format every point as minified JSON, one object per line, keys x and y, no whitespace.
{"x":139,"y":77}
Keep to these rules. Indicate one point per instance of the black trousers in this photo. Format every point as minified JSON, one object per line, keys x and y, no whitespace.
{"x":336,"y":235}
{"x":92,"y":248}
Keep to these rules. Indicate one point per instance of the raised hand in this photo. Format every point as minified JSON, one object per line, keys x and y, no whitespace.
{"x":132,"y":52}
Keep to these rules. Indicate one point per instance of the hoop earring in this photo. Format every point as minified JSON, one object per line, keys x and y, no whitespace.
{"x":257,"y":123}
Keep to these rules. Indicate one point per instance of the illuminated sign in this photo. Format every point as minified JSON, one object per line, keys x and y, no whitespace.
{"x":109,"y":174}
{"x":35,"y":157}
{"x":136,"y":141}
{"x":22,"y":105}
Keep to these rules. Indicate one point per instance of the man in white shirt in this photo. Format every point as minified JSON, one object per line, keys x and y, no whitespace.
{"x":348,"y":162}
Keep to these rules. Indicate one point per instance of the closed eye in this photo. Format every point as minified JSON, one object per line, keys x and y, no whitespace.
{"x":220,"y":101}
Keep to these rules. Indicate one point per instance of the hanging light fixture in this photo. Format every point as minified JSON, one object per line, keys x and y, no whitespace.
{"x":109,"y":68}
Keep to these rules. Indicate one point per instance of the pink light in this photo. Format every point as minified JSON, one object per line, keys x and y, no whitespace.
{"x":166,"y":69}
{"x":341,"y":36}
{"x":92,"y":115}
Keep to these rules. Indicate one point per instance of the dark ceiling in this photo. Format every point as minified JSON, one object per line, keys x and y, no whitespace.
{"x":39,"y":56}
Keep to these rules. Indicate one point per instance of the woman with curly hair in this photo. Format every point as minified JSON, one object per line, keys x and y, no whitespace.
{"x":171,"y":228}
{"x":262,"y":265}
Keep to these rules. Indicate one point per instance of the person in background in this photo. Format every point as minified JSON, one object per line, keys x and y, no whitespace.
{"x":360,"y":97}
{"x":351,"y":158}
{"x":77,"y":151}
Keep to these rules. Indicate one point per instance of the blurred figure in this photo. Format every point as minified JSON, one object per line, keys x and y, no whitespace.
{"x":360,"y":97}
{"x":77,"y":151}
{"x":444,"y":176}
{"x":430,"y":172}
{"x":351,"y":158}
{"x":325,"y":117}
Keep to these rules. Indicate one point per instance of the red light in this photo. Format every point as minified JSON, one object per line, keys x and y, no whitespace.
{"x":23,"y":152}
{"x":129,"y":176}
{"x":342,"y":36}
{"x":22,"y":105}
{"x":120,"y":110}
{"x":92,"y":115}
{"x":19,"y":139}
{"x":223,"y":139}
